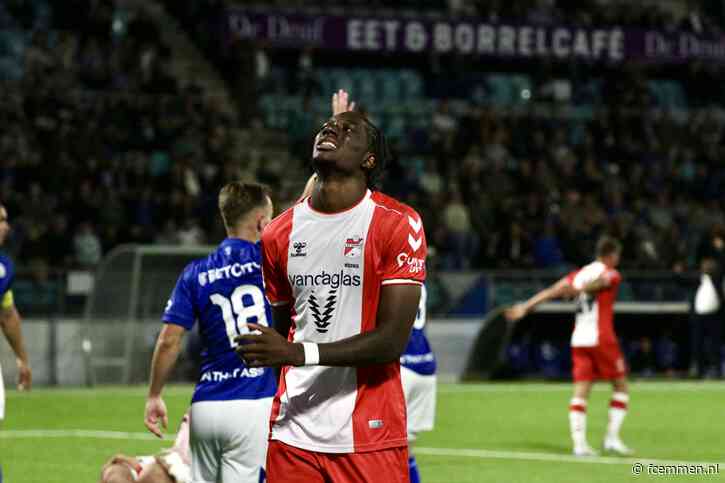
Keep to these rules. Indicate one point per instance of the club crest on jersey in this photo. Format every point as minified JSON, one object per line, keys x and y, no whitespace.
{"x":353,"y":247}
{"x":299,"y":249}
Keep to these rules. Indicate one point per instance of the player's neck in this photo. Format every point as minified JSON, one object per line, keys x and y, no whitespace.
{"x":335,"y":194}
{"x":246,"y":233}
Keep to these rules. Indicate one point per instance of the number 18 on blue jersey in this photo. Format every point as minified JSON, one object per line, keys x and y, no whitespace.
{"x":224,"y":292}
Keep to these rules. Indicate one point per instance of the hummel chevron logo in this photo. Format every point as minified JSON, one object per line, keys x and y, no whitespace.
{"x":322,"y":317}
{"x":415,"y":225}
{"x":414,"y":243}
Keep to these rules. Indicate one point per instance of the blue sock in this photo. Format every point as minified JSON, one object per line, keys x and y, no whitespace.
{"x":413,"y":468}
{"x":262,"y":476}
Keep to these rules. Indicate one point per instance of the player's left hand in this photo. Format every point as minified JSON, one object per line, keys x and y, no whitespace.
{"x":268,"y":348}
{"x":25,"y":376}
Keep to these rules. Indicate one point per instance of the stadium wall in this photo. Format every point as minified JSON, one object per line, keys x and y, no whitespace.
{"x":57,"y":356}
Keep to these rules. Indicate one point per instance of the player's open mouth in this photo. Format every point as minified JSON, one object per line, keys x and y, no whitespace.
{"x":326,"y":145}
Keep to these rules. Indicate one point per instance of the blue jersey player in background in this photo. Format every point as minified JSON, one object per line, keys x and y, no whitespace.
{"x":223,"y":292}
{"x":417,"y":373}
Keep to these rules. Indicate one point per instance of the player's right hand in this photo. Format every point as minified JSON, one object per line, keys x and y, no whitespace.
{"x":155,"y":410}
{"x":341,"y":102}
{"x":25,"y":376}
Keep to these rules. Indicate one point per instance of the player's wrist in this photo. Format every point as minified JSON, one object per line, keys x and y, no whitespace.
{"x":310,"y":353}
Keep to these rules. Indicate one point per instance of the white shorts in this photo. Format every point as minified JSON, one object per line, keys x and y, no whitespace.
{"x":229,"y":440}
{"x":2,"y":396}
{"x":420,"y":399}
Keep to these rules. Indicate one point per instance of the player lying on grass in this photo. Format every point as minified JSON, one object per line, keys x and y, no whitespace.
{"x":169,"y":466}
{"x":594,"y":346}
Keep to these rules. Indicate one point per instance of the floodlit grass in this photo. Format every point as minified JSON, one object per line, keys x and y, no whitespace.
{"x":486,"y":432}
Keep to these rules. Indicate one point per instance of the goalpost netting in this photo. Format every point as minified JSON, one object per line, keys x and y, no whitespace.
{"x":123,"y":312}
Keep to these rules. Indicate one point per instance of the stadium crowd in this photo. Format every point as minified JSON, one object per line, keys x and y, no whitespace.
{"x":102,"y":146}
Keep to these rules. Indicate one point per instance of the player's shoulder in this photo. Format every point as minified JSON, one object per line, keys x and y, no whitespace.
{"x":393,"y":208}
{"x":280,"y":224}
{"x":7,"y":267}
{"x":192,"y":269}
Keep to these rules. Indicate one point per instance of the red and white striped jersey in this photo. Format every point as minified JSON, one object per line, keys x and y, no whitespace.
{"x":331,"y":267}
{"x":595,"y":312}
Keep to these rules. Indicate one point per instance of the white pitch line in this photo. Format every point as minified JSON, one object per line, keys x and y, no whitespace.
{"x":538,"y":387}
{"x":454,"y":452}
{"x":77,"y":433}
{"x":522,"y":455}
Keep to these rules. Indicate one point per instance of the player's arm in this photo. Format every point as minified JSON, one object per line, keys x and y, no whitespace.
{"x":560,"y":289}
{"x":168,"y":347}
{"x":11,"y":327}
{"x":601,"y":283}
{"x":309,"y":186}
{"x":395,"y":317}
{"x":179,"y":316}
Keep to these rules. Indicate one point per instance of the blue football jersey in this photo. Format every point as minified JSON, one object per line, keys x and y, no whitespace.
{"x":224,"y":292}
{"x":418,"y":355}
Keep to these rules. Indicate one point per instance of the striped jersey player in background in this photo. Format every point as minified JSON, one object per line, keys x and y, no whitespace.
{"x":223,"y":292}
{"x":343,"y":270}
{"x":594,"y":347}
{"x":417,"y":372}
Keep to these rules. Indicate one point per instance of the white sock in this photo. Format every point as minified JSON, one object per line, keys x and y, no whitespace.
{"x":578,"y":421}
{"x":617,"y":411}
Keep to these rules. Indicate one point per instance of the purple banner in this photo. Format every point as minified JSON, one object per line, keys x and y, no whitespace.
{"x":470,"y":37}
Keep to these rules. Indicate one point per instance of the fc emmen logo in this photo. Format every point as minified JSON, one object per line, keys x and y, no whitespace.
{"x":353,"y":247}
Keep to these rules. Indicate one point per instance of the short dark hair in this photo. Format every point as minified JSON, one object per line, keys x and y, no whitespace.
{"x":238,"y":198}
{"x":378,"y":145}
{"x":608,"y":245}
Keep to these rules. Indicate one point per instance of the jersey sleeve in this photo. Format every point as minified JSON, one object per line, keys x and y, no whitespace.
{"x":615,"y":278}
{"x":403,"y":262}
{"x":7,"y":275}
{"x":180,"y":307}
{"x":571,"y":276}
{"x":276,"y":285}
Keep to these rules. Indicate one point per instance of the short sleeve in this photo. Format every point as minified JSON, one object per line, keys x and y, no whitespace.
{"x":276,"y":285}
{"x":8,"y":301}
{"x":571,"y":276}
{"x":180,"y":307}
{"x":615,"y":278}
{"x":7,"y":274}
{"x":403,"y":262}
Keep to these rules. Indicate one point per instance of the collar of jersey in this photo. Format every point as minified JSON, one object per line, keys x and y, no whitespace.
{"x":234,"y":241}
{"x":336,"y":214}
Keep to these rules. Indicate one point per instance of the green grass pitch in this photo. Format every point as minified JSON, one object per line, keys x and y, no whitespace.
{"x":484,"y":432}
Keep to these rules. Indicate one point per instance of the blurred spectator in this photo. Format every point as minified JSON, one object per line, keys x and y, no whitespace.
{"x":87,"y":246}
{"x":461,"y":242}
{"x":706,"y":321}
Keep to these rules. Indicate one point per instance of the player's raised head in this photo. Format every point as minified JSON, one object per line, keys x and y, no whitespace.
{"x":4,"y":224}
{"x":349,"y":144}
{"x":246,"y":209}
{"x":609,"y":251}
